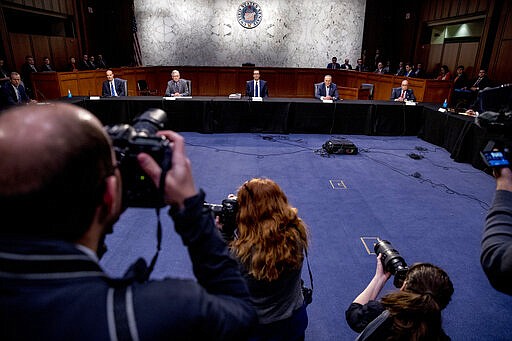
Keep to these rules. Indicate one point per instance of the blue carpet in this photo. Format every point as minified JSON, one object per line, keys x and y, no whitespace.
{"x":431,"y":209}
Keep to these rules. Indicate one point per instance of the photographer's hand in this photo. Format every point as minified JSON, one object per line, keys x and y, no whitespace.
{"x":179,"y":182}
{"x":376,"y":284}
{"x":503,"y":179}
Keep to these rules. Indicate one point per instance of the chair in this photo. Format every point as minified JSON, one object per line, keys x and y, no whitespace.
{"x":189,"y":84}
{"x":143,"y":89}
{"x":369,"y":87}
{"x":317,"y":88}
{"x":125,"y":84}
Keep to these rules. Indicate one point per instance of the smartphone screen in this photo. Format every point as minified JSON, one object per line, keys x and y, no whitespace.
{"x":495,"y":159}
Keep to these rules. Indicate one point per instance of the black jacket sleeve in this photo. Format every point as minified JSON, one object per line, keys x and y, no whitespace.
{"x":358,"y":316}
{"x":496,"y":256}
{"x":229,"y":308}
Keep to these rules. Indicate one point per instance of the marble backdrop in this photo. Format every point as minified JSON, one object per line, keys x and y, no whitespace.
{"x":291,"y":33}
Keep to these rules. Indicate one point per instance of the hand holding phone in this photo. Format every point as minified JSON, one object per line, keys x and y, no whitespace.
{"x":495,"y":158}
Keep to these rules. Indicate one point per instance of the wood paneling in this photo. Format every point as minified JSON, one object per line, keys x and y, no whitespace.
{"x":434,"y":58}
{"x":502,"y":72}
{"x":500,"y":67}
{"x":21,"y":47}
{"x":72,"y":49}
{"x":450,"y":54}
{"x":58,"y":56}
{"x":467,"y":57}
{"x":222,"y":81}
{"x":41,"y":46}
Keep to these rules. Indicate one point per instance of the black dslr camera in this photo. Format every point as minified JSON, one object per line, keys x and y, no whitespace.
{"x":227,"y":215}
{"x":129,"y":141}
{"x":392,"y":261}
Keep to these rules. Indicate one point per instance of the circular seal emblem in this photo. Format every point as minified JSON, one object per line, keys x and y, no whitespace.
{"x":249,"y":14}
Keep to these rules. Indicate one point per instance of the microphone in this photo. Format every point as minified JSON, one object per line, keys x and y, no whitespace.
{"x":40,"y":94}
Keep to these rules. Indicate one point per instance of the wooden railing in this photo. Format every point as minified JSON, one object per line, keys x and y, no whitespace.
{"x":222,"y":81}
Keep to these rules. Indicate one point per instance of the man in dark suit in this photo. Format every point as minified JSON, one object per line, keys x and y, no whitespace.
{"x":257,"y":87}
{"x":481,"y":82}
{"x":360,"y":66}
{"x":327,"y":90}
{"x":177,"y":87}
{"x":27,"y":69}
{"x":113,"y":87}
{"x":334,"y":64}
{"x":403,"y":93}
{"x":84,"y":63}
{"x":419,"y":72}
{"x":346,"y":65}
{"x":46,"y":67}
{"x":13,"y":92}
{"x":409,"y":72}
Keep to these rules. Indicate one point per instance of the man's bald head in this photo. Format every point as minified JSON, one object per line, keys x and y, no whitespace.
{"x":54,"y":160}
{"x":35,"y":140}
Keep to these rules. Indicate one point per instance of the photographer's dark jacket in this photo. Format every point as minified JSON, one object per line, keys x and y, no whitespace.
{"x":50,"y":290}
{"x":359,"y":316}
{"x":276,"y":300}
{"x":496,"y":257}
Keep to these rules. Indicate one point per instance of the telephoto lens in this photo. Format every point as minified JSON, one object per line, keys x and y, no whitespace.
{"x":392,"y":261}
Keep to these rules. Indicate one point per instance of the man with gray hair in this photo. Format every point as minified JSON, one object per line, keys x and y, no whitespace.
{"x":177,"y":87}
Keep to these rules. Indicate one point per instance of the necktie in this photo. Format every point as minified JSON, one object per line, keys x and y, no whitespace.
{"x":257,"y":89}
{"x":18,"y":97}
{"x":112,"y":90}
{"x":403,"y":94}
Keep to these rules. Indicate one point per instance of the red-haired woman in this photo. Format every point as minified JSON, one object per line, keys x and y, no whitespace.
{"x":270,"y":241}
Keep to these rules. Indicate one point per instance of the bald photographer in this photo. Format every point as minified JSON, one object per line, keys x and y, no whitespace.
{"x":60,"y":195}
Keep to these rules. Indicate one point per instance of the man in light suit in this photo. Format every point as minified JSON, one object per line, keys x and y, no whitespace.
{"x":177,"y":87}
{"x":403,"y":93}
{"x":13,"y":92}
{"x":257,"y":87}
{"x":327,"y":90}
{"x":113,"y":87}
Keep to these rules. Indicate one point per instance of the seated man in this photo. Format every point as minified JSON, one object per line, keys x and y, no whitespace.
{"x":403,"y":93}
{"x":334,"y":64}
{"x":419,"y":72}
{"x":460,"y":96}
{"x":113,"y":87}
{"x":13,"y":92}
{"x":346,"y":65}
{"x":409,"y":71}
{"x":360,"y":66}
{"x":52,"y":285}
{"x":460,"y":80}
{"x":380,"y":68}
{"x":256,"y":87}
{"x":46,"y":67}
{"x":470,"y":93}
{"x":176,"y":87}
{"x":327,"y":90}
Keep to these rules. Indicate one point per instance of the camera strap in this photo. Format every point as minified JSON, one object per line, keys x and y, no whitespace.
{"x":166,"y":165}
{"x":309,"y":269}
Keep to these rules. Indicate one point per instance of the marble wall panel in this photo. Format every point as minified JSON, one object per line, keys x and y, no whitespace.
{"x":292,"y":33}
